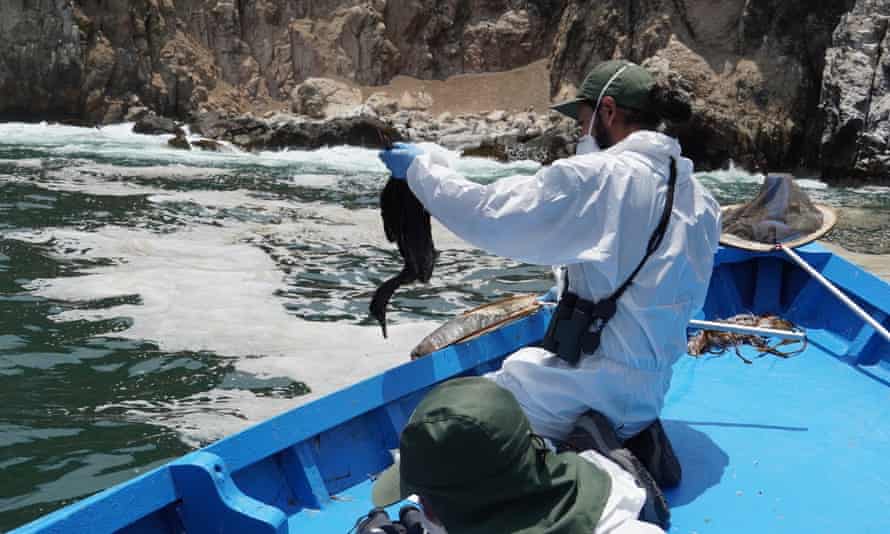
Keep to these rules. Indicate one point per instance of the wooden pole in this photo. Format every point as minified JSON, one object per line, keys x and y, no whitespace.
{"x":836,"y":292}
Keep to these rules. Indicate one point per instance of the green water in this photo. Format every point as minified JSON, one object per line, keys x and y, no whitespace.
{"x":152,"y":300}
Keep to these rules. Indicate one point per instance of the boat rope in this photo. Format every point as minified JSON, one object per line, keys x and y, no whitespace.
{"x":717,"y":342}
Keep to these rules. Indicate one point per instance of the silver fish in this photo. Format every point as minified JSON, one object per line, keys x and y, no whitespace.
{"x":476,"y":322}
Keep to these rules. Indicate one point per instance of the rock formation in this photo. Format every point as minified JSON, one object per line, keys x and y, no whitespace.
{"x":251,"y":133}
{"x":88,"y":58}
{"x":752,"y":67}
{"x":775,"y":83}
{"x":320,"y":97}
{"x":856,"y":94}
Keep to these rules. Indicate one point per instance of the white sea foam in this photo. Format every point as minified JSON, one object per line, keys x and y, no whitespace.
{"x":119,"y":142}
{"x":811,"y":183}
{"x":205,"y":289}
{"x":872,"y":190}
{"x":730,"y":176}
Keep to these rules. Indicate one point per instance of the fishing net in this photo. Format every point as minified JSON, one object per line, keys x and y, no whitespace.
{"x":718,"y":342}
{"x":781,"y":212}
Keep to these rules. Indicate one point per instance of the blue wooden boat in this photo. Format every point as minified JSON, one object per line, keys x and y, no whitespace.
{"x":796,"y":445}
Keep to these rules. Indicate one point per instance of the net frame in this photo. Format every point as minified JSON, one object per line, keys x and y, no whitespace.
{"x":828,"y":215}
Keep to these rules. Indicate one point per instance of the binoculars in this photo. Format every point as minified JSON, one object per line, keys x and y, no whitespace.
{"x":378,"y":522}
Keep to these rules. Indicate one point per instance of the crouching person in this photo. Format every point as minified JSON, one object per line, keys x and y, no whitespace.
{"x":469,"y":454}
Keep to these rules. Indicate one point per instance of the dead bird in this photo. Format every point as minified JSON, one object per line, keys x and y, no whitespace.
{"x":406,"y":223}
{"x":476,"y":322}
{"x":717,"y":342}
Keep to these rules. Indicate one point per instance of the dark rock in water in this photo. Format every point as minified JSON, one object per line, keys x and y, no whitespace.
{"x":545,"y":149}
{"x":136,"y":113}
{"x":208,"y":145}
{"x":114,"y":113}
{"x":155,"y":125}
{"x":180,"y":141}
{"x":407,"y":223}
{"x":211,"y":124}
{"x":254,"y":134}
{"x":356,"y":131}
{"x":488,"y":148}
{"x":242,"y":131}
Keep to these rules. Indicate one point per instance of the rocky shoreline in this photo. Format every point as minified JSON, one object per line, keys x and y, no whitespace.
{"x":782,"y":84}
{"x":328,"y":119}
{"x":496,"y":135}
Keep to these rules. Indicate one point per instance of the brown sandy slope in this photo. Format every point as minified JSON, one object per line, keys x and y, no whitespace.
{"x":513,"y":90}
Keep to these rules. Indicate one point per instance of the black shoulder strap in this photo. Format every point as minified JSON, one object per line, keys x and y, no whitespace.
{"x":657,"y":235}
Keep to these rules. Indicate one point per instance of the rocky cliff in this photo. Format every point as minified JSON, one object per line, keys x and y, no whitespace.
{"x":752,"y":67}
{"x":856,"y":94}
{"x":90,"y":58}
{"x":776,"y":83}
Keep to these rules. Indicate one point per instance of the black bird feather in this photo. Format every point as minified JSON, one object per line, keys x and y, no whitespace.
{"x":407,"y":223}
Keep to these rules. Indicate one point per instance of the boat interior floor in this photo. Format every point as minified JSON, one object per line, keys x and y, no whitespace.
{"x":780,"y":445}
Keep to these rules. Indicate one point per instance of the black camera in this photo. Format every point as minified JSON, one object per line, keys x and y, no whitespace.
{"x":378,"y":522}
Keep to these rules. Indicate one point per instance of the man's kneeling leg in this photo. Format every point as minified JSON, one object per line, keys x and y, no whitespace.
{"x":594,"y":431}
{"x":653,"y":448}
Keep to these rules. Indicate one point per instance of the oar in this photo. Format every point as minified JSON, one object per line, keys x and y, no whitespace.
{"x":748,"y":330}
{"x":835,"y":291}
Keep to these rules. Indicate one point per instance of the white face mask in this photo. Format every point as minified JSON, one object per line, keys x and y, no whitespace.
{"x":587,"y":143}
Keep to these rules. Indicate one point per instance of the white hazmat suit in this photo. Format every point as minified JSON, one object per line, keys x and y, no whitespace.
{"x":595,"y":214}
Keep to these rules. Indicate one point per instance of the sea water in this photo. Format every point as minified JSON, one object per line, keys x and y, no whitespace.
{"x":153,"y":300}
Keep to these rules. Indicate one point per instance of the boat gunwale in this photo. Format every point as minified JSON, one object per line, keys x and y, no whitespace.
{"x":289,"y":429}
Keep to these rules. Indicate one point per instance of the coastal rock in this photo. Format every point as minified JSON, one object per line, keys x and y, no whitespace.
{"x":382,"y":104}
{"x":208,"y":145}
{"x":350,"y":42}
{"x":415,"y":101}
{"x":462,"y":141}
{"x":180,"y":142}
{"x":136,"y":113}
{"x":64,"y":59}
{"x":41,"y":59}
{"x":753,"y":69}
{"x":856,"y":94}
{"x":114,"y":113}
{"x":250,"y":133}
{"x":366,"y":132}
{"x":543,"y":148}
{"x":496,"y":116}
{"x":437,"y":39}
{"x":320,"y":98}
{"x":153,"y":125}
{"x":507,"y":40}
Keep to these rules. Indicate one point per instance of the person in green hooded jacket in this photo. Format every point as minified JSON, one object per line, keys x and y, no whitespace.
{"x":469,"y":454}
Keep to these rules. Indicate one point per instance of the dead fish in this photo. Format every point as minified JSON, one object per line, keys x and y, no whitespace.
{"x":407,"y":223}
{"x":476,"y":322}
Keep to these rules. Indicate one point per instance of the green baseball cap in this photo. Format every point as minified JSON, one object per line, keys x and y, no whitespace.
{"x":630,"y":87}
{"x":470,"y":450}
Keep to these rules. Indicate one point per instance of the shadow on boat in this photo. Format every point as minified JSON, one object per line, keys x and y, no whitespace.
{"x":703,"y":461}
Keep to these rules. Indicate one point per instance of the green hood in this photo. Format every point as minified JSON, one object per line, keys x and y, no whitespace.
{"x":470,"y":450}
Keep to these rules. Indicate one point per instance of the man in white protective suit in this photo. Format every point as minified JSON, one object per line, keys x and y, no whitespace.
{"x":635,"y":234}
